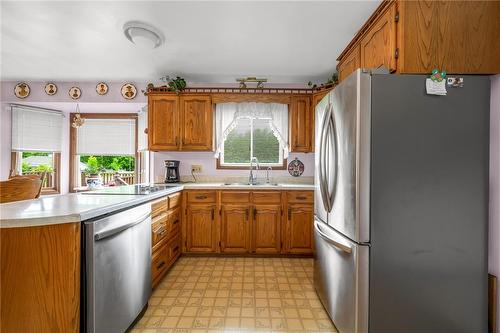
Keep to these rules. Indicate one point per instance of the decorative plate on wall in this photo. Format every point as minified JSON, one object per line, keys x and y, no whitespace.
{"x":75,"y":92}
{"x":129,"y":91}
{"x":101,"y":88}
{"x":50,"y":89}
{"x":296,"y":167}
{"x":22,"y":90}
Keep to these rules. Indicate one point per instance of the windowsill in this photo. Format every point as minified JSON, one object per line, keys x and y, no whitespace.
{"x":49,"y":192}
{"x":247,"y":167}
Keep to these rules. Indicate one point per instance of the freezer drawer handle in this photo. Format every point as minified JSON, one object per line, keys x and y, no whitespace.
{"x":338,"y":245}
{"x":111,"y":232}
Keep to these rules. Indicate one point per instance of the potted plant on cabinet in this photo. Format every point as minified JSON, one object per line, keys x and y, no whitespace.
{"x":93,"y":173}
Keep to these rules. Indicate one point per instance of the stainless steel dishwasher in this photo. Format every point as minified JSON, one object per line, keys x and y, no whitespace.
{"x":116,"y":269}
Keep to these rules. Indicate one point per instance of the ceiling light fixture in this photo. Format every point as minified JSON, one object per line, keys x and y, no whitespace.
{"x":143,"y":34}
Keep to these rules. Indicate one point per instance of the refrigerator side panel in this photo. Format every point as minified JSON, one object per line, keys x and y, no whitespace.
{"x":429,"y":206}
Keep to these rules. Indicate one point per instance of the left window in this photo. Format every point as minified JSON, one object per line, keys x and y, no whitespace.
{"x":36,"y":144}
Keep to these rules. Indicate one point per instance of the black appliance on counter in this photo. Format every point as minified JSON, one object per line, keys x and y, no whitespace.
{"x":172,"y":171}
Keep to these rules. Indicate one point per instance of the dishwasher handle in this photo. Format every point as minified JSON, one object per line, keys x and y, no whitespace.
{"x":113,"y":231}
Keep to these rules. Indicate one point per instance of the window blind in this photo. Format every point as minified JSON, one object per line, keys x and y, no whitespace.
{"x":35,"y":129}
{"x":106,"y":137}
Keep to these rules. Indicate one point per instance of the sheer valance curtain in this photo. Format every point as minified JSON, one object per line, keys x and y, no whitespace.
{"x":227,"y":116}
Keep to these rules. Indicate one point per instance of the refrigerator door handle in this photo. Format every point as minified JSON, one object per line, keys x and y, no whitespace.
{"x":323,"y":182}
{"x":332,"y":134}
{"x":345,"y":248}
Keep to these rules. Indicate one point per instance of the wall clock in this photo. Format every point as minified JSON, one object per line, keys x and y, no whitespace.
{"x":22,"y":90}
{"x":129,"y":91}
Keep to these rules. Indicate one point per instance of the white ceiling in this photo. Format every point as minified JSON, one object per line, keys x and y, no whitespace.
{"x":288,"y":42}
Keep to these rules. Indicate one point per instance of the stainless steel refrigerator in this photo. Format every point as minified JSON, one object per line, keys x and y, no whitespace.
{"x":401,"y":205}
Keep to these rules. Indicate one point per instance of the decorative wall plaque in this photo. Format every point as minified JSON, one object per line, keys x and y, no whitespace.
{"x":50,"y":89}
{"x":75,"y":92}
{"x":101,"y":88}
{"x":129,"y":91}
{"x":296,"y":167}
{"x":22,"y":90}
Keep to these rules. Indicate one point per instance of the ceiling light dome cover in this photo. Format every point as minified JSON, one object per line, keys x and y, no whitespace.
{"x":141,"y":33}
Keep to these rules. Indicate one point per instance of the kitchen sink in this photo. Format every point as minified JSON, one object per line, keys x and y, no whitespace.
{"x":248,"y":184}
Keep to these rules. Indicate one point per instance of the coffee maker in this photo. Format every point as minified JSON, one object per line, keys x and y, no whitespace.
{"x":172,"y":171}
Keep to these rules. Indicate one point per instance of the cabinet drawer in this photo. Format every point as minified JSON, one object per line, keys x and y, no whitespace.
{"x":235,"y":197}
{"x":300,"y":197}
{"x":174,"y":250}
{"x":174,"y":200}
{"x":201,"y":196}
{"x":158,"y":234}
{"x":175,"y":223}
{"x":267,"y":197}
{"x":159,"y":262}
{"x":159,"y":206}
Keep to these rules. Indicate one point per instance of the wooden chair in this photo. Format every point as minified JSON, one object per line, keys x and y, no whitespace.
{"x":21,"y":188}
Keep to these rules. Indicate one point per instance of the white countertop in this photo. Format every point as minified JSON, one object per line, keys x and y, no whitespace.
{"x":77,"y":207}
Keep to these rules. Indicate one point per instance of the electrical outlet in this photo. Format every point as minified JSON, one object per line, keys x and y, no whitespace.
{"x":195,"y":168}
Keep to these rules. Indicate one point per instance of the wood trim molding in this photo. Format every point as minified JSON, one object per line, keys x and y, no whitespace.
{"x":72,"y":141}
{"x":226,"y":167}
{"x":263,"y":98}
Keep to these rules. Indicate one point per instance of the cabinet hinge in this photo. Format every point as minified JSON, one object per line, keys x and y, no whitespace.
{"x":220,"y":211}
{"x":396,"y":53}
{"x":219,"y":243}
{"x":396,"y":17}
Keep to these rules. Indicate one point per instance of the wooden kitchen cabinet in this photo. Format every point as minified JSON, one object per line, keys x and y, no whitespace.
{"x":350,"y":62}
{"x":266,"y":229}
{"x":163,"y":122}
{"x":298,"y":234}
{"x":415,"y":37}
{"x":201,"y":228}
{"x":235,"y":228}
{"x":196,"y":123}
{"x":301,"y":124}
{"x":180,"y":123}
{"x":378,"y":46}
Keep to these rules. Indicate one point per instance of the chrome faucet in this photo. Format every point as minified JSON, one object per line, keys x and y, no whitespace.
{"x":267,"y":174}
{"x":252,"y":179}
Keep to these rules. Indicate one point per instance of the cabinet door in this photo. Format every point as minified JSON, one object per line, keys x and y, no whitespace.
{"x":266,"y":231}
{"x":163,"y":122}
{"x":350,"y":63}
{"x":235,"y":228}
{"x":378,"y":46}
{"x":201,"y":228}
{"x":299,"y":232}
{"x":300,"y":124}
{"x":197,"y":123}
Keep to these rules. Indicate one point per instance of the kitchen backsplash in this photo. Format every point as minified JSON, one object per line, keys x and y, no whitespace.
{"x":210,"y":173}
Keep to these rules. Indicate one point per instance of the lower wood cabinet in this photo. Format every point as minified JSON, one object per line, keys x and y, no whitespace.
{"x":298,"y":233}
{"x":201,"y":228}
{"x":266,"y":235}
{"x":235,"y":228}
{"x":248,"y":222}
{"x":165,"y":235}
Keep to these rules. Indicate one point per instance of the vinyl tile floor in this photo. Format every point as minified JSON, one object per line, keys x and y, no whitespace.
{"x":206,"y":294}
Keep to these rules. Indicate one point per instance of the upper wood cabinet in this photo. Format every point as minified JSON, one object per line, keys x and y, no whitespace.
{"x":414,"y":37}
{"x":196,"y":122}
{"x":163,"y":122}
{"x":301,"y":124}
{"x":378,"y":45}
{"x":350,"y":62}
{"x":182,"y":123}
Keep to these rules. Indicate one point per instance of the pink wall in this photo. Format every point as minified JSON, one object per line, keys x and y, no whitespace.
{"x":90,"y":102}
{"x":494,"y":232}
{"x":207,"y":161}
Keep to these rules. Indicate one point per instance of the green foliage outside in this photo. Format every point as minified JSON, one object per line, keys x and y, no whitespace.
{"x":28,"y":168}
{"x":96,"y":164}
{"x":237,"y":147}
